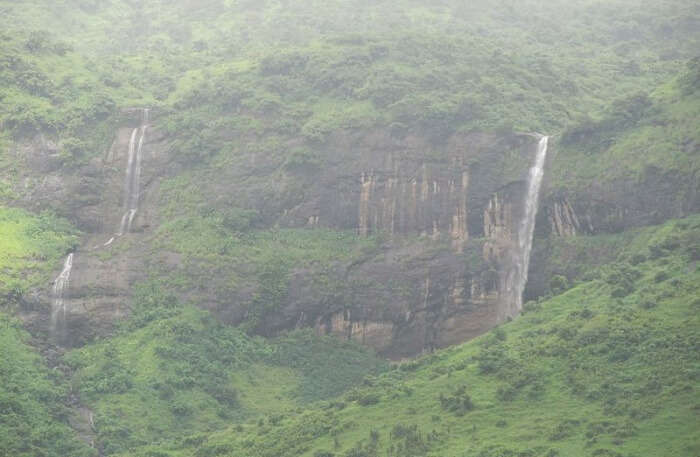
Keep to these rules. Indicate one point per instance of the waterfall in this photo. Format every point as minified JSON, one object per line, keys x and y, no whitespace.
{"x":58,"y":305}
{"x":527,"y":225}
{"x":133,"y":177}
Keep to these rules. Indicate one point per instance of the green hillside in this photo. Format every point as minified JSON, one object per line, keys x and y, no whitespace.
{"x":283,"y":134}
{"x":443,"y":66}
{"x":643,"y":134}
{"x":174,"y":371}
{"x":32,"y":401}
{"x":30,"y":248}
{"x":33,"y":412}
{"x":607,"y":368}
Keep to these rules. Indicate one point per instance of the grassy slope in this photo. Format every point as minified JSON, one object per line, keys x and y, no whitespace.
{"x":608,"y":368}
{"x":350,"y":62}
{"x":658,"y":131}
{"x":32,"y":412}
{"x":175,"y":371}
{"x":532,"y":67}
{"x":30,"y":249}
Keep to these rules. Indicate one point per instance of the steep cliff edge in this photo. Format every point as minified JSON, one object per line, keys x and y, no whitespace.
{"x":442,"y":220}
{"x":392,"y":240}
{"x":90,"y":194}
{"x":439,"y":228}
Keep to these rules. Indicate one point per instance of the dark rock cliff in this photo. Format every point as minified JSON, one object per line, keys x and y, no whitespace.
{"x":448,"y":215}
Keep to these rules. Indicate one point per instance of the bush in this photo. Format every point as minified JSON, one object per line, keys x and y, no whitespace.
{"x":73,"y":148}
{"x":558,"y":284}
{"x":636,"y":259}
{"x":647,"y":303}
{"x":369,"y":398}
{"x":622,"y":277}
{"x":660,"y":276}
{"x":238,"y":219}
{"x":563,"y":430}
{"x":302,"y":161}
{"x":324,"y":454}
{"x":506,"y":393}
{"x":459,"y":402}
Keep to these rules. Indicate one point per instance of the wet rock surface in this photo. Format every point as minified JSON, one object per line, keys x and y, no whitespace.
{"x":448,"y":215}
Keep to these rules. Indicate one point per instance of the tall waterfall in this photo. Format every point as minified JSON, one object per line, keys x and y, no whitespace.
{"x":527,"y":225}
{"x":58,"y":304}
{"x":133,"y":177}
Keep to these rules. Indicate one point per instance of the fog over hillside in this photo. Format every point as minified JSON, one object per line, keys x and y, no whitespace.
{"x":349,"y":228}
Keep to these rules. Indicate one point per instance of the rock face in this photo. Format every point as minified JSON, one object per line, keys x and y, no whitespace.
{"x":104,"y":272}
{"x":91,"y":196}
{"x":373,"y":182}
{"x":563,"y":220}
{"x":403,"y":302}
{"x":608,"y":206}
{"x":460,"y":205}
{"x":448,"y":214}
{"x":614,"y":206}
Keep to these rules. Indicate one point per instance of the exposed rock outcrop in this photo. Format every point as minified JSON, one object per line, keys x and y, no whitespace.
{"x":448,"y":213}
{"x":91,"y":195}
{"x":462,"y":207}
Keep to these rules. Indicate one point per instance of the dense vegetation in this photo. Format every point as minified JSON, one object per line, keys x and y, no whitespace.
{"x":33,"y":410}
{"x":174,"y":370}
{"x":29,"y":244}
{"x":32,"y":401}
{"x":646,"y":134}
{"x":438,"y":67}
{"x":608,"y":367}
{"x":603,"y":363}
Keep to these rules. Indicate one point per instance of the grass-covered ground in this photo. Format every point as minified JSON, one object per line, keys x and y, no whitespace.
{"x":644,"y":134}
{"x":174,"y":370}
{"x":308,"y":68}
{"x":607,"y":368}
{"x":33,"y":416}
{"x":31,"y":247}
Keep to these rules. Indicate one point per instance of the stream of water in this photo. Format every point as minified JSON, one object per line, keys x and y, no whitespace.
{"x":526,"y":228}
{"x":133,"y":177}
{"x":58,"y":304}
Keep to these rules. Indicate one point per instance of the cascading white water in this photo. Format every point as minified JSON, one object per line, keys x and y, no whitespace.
{"x":133,"y":177}
{"x":58,"y":328}
{"x":527,"y":225}
{"x":58,"y":304}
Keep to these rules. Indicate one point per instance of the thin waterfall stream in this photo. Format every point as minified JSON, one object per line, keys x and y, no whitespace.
{"x":57,"y":328}
{"x":526,"y":229}
{"x":133,"y":176}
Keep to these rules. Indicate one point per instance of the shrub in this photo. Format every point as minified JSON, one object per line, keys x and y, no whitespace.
{"x":622,"y":277}
{"x":459,"y":402}
{"x":647,"y":303}
{"x":660,"y":276}
{"x":324,"y":454}
{"x":636,"y":259}
{"x":368,"y":399}
{"x":558,"y":284}
{"x":181,"y":408}
{"x":506,"y":392}
{"x":302,"y":160}
{"x":364,"y":398}
{"x":563,"y":430}
{"x":238,"y":219}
